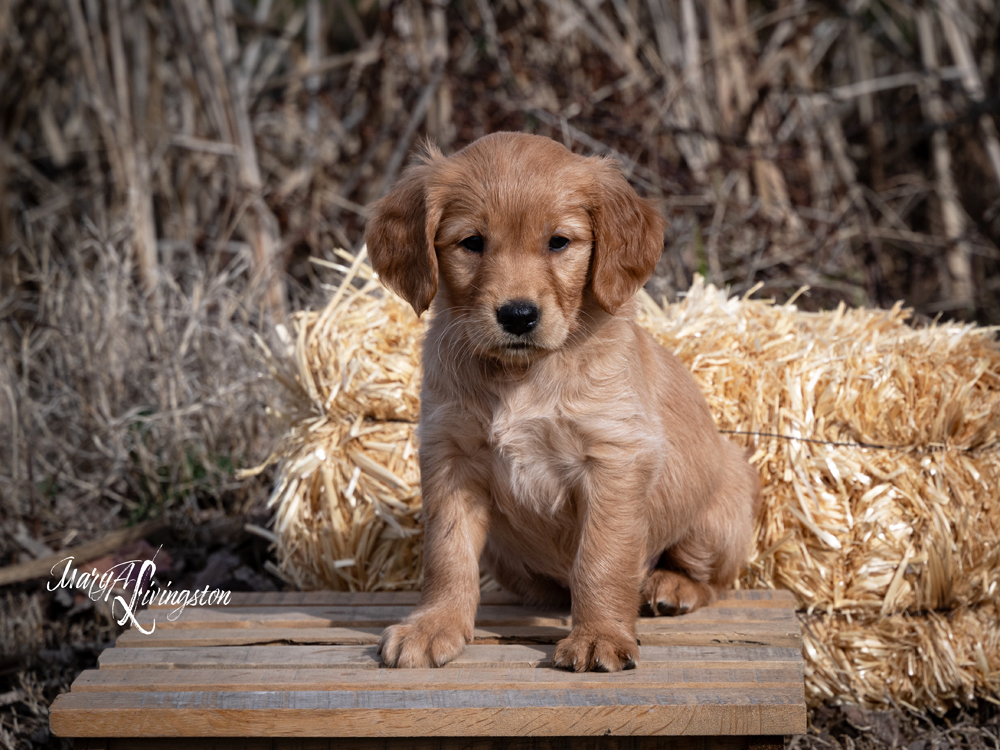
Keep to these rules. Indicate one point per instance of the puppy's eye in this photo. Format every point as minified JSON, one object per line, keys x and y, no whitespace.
{"x":473,"y":244}
{"x":558,"y":243}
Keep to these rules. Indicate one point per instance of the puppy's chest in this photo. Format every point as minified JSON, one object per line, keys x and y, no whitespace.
{"x":539,"y":455}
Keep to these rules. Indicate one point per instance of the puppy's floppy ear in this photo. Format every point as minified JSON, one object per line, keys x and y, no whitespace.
{"x":400,"y":236}
{"x":628,"y":237}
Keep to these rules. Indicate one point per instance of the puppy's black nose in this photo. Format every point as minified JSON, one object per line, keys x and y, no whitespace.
{"x":518,"y":316}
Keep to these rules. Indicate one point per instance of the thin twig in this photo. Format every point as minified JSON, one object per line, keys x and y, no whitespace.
{"x":406,"y":137}
{"x":960,"y":286}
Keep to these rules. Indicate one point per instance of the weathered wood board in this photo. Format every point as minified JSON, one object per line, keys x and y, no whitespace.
{"x":305,"y":665}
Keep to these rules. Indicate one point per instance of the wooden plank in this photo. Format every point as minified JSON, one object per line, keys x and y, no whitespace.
{"x":756,"y":599}
{"x":651,"y":632}
{"x":340,"y":599}
{"x":417,"y":743}
{"x":321,"y":617}
{"x":365,"y":657}
{"x":512,"y":678}
{"x":670,"y":710}
{"x":732,"y":668}
{"x":369,"y":616}
{"x":180,"y":638}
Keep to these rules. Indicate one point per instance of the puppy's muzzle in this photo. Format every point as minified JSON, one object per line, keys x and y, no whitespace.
{"x":518,"y":316}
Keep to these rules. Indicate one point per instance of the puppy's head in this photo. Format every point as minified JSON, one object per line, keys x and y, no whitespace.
{"x":511,"y":234}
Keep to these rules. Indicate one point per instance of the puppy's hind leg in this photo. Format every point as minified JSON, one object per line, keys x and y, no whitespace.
{"x":670,"y":592}
{"x":693,"y":572}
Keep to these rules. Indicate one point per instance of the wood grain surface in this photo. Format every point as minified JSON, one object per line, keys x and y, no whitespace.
{"x":603,"y":742}
{"x":351,"y":713}
{"x":305,"y":665}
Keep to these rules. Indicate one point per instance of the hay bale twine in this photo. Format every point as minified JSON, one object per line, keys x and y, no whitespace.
{"x":881,"y":513}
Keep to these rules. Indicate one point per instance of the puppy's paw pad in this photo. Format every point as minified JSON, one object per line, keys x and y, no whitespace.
{"x":666,"y":592}
{"x":590,"y":652}
{"x":420,"y":644}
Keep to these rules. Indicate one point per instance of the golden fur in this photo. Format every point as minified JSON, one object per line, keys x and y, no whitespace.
{"x":577,"y":460}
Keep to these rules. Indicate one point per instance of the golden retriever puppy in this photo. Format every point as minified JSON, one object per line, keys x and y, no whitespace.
{"x":559,"y":443}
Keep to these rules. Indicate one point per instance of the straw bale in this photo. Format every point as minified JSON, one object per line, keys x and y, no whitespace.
{"x":929,"y":661}
{"x":850,"y":528}
{"x":347,"y":495}
{"x":883,"y":511}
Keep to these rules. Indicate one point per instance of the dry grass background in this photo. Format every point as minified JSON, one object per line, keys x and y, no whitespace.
{"x":168,"y":168}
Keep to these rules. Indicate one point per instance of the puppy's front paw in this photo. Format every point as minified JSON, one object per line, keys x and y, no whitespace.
{"x":423,"y":641}
{"x":586,"y":651}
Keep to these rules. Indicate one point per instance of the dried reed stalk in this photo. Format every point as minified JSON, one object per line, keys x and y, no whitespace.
{"x":126,"y":147}
{"x":214,"y":36}
{"x":953,"y":218}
